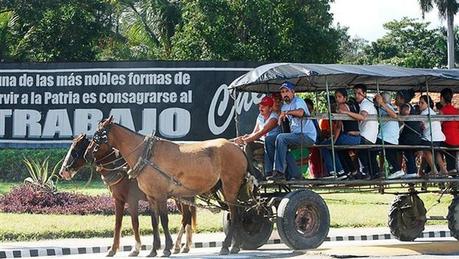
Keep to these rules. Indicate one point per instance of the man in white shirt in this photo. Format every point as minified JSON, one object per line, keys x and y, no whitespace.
{"x":368,"y":132}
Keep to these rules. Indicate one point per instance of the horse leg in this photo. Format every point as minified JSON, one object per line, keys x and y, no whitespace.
{"x":134,"y":212}
{"x":232,"y":231}
{"x":154,"y":224}
{"x":188,"y":219}
{"x":178,"y":241}
{"x":119,"y":209}
{"x":189,"y":235}
{"x":235,"y":224}
{"x":162,"y":205}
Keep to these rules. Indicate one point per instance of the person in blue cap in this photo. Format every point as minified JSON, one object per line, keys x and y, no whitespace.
{"x":302,"y":131}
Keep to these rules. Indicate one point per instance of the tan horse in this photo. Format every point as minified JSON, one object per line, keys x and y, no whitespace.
{"x":177,"y":170}
{"x":112,"y":169}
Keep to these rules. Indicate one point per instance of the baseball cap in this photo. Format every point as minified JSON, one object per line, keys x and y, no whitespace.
{"x":266,"y":101}
{"x":287,"y":85}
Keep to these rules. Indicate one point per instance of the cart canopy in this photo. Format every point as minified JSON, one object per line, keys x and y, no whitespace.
{"x":316,"y":77}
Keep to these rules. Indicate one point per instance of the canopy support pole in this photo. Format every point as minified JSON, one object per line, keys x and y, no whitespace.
{"x":430,"y":125}
{"x":331,"y":126}
{"x":382,"y":134}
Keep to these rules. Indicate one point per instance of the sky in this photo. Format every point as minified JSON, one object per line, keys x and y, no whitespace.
{"x":365,"y":18}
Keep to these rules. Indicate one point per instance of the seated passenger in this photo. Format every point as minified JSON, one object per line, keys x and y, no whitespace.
{"x":302,"y":130}
{"x":368,"y":133}
{"x":431,"y":135}
{"x":266,"y":125}
{"x":450,"y":129}
{"x":388,"y":134}
{"x":410,"y":133}
{"x":347,"y":133}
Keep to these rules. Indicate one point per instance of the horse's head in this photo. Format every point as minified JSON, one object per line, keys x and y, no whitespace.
{"x":99,"y":145}
{"x":74,"y":159}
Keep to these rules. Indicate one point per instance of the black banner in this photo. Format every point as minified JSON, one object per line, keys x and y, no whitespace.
{"x":45,"y":105}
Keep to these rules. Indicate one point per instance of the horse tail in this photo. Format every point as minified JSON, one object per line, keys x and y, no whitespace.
{"x":193,"y":218}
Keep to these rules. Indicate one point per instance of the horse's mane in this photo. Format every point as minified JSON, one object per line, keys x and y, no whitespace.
{"x":138,"y":134}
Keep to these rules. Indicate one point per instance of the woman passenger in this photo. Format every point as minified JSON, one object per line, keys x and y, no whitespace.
{"x":411,"y":132}
{"x":388,"y":134}
{"x":347,"y":134}
{"x":432,"y":135}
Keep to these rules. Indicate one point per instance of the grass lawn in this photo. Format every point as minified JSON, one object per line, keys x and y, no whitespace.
{"x":17,"y":227}
{"x":346,"y":210}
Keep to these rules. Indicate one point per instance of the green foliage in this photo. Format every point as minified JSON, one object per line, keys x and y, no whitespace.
{"x":259,"y":30}
{"x":409,"y":43}
{"x":88,"y":30}
{"x":7,"y":20}
{"x":40,"y":173}
{"x":58,"y":30}
{"x":13,"y":169}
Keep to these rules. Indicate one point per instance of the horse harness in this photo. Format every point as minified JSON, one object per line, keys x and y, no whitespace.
{"x":112,"y":176}
{"x":144,"y":160}
{"x":100,"y":136}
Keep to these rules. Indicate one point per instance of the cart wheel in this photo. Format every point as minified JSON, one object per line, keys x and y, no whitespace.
{"x":407,"y":217}
{"x":303,"y":220}
{"x":256,"y":228}
{"x":453,"y":217}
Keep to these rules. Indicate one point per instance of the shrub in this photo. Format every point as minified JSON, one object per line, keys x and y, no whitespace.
{"x":40,"y":174}
{"x":31,"y":198}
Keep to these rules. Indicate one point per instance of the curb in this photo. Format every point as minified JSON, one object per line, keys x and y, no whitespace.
{"x":34,"y":252}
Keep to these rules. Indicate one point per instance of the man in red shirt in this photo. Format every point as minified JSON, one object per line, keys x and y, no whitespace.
{"x":450,"y":129}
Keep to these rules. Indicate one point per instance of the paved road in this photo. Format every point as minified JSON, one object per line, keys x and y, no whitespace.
{"x":342,"y":243}
{"x":444,"y":248}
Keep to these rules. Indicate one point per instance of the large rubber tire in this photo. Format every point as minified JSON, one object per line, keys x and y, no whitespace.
{"x":407,"y":217}
{"x":453,"y":217}
{"x":255,"y":231}
{"x":303,"y":220}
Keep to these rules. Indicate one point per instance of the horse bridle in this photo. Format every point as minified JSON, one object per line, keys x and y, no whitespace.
{"x":76,"y":153}
{"x":101,"y":137}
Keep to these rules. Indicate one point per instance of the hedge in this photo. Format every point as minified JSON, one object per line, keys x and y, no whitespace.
{"x":12,"y":167}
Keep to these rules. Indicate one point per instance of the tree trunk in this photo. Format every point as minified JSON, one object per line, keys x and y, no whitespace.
{"x":450,"y":42}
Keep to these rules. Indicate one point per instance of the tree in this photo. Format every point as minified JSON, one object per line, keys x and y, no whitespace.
{"x":446,"y":9}
{"x":57,"y":30}
{"x":144,"y":29}
{"x":7,"y":20}
{"x":408,"y":43}
{"x":257,"y":30}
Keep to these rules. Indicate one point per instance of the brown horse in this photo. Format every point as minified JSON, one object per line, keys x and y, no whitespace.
{"x":124,"y":191}
{"x":166,"y":169}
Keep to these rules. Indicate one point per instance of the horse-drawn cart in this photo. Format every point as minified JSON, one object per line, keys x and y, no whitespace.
{"x":301,"y":215}
{"x":216,"y":170}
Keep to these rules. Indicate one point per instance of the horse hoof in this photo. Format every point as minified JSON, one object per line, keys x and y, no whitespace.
{"x":224,"y":251}
{"x":133,"y":253}
{"x":235,"y":250}
{"x":152,"y":254}
{"x":111,"y":253}
{"x":166,"y":253}
{"x":185,"y":250}
{"x":176,"y":250}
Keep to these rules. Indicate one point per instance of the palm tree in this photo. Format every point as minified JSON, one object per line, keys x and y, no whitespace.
{"x":152,"y":22}
{"x":447,"y":9}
